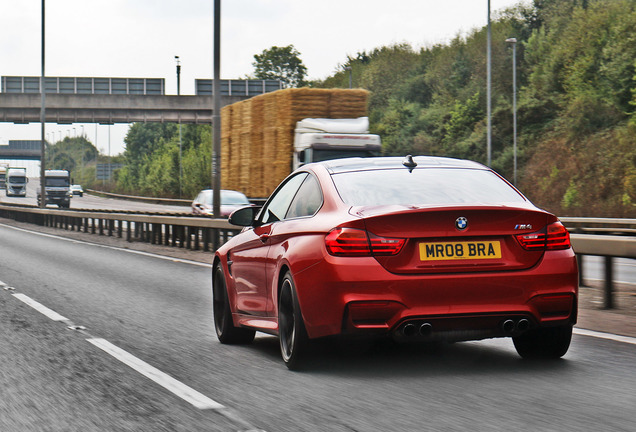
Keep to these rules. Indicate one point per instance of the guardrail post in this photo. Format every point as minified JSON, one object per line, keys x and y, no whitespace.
{"x":579,"y":261}
{"x":609,"y":282}
{"x":188,"y":233}
{"x":128,"y":231}
{"x":215,"y":239}
{"x":206,"y":239}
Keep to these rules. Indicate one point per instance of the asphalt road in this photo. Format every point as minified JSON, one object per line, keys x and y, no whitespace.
{"x":158,"y":311}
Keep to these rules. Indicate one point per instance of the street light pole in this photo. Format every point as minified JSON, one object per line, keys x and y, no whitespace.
{"x":488,"y":91}
{"x":513,"y":41}
{"x":350,"y":69}
{"x":42,"y":120}
{"x":216,"y":122}
{"x":180,"y":146}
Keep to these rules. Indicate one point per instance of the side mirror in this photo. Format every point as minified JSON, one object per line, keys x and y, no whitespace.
{"x":244,"y":216}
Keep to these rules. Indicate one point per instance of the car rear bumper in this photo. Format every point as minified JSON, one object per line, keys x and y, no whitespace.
{"x":357,"y":295}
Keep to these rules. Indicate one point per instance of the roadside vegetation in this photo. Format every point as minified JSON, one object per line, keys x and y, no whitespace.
{"x":576,"y":107}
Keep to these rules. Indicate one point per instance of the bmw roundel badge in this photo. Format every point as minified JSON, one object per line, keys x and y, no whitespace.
{"x":461,"y":223}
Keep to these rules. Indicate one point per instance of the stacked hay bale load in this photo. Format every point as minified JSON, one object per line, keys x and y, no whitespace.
{"x":257,"y":134}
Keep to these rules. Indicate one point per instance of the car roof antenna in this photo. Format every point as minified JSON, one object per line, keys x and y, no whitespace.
{"x":409,"y":163}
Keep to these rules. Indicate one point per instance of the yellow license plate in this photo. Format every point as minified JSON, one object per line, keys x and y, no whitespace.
{"x":460,"y":250}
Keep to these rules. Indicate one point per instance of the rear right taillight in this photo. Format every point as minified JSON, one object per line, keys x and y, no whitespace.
{"x":554,"y":237}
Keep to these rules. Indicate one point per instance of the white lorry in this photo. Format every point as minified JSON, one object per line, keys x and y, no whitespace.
{"x":57,"y":188}
{"x":319,"y":139}
{"x":16,"y":182}
{"x":266,"y":137}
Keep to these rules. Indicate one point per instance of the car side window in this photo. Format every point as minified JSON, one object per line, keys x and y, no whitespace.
{"x":308,"y":199}
{"x":277,"y":207}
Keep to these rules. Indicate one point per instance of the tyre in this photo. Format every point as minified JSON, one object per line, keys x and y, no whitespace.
{"x":291,"y":327}
{"x":223,"y":324}
{"x":547,"y":343}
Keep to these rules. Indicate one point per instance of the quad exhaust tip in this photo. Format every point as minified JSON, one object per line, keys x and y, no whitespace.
{"x":508,"y":326}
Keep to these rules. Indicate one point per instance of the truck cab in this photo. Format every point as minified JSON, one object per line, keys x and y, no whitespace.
{"x":57,"y":188}
{"x":16,"y":182}
{"x":319,"y":139}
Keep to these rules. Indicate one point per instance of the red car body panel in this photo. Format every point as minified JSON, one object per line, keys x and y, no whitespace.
{"x":379,"y":294}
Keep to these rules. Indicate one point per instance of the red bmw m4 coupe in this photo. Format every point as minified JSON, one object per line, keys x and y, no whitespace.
{"x":417,"y":249}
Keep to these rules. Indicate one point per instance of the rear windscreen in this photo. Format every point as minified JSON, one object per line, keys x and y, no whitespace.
{"x":424,"y":186}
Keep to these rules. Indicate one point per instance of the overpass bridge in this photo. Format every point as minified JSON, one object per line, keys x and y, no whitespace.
{"x":117,"y":100}
{"x":110,"y":109}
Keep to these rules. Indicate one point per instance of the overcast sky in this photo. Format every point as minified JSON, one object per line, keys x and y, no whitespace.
{"x":140,"y":38}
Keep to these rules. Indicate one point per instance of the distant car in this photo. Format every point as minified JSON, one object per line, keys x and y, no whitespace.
{"x":417,"y":249}
{"x":230,"y":201}
{"x":77,"y":190}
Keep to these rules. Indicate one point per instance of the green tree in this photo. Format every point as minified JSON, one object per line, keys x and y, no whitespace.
{"x":280,"y":63}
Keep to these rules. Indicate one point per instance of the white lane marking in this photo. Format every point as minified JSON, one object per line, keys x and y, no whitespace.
{"x":181,"y":390}
{"x":603,"y":280}
{"x":164,"y":257}
{"x":2,"y":284}
{"x":601,"y":335}
{"x":40,"y":308}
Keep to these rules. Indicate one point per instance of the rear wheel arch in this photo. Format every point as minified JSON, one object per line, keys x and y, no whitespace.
{"x":279,"y":283}
{"x":226,"y":332}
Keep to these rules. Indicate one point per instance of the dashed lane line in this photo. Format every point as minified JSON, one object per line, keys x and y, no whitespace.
{"x":40,"y":307}
{"x":174,"y":386}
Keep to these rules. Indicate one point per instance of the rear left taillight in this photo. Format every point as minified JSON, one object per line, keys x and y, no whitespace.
{"x":554,"y":237}
{"x":354,"y":242}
